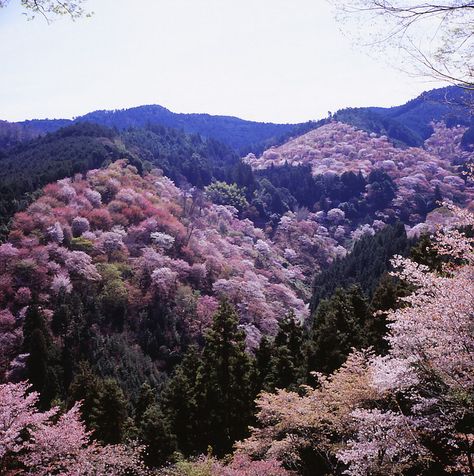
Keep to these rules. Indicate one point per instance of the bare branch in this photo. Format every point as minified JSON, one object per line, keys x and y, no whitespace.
{"x":438,"y":37}
{"x":51,"y":9}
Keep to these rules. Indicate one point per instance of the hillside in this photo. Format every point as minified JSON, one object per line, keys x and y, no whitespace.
{"x":239,"y":134}
{"x":184,"y":295}
{"x":236,"y":133}
{"x":407,"y":125}
{"x":410,"y":123}
{"x":142,"y":246}
{"x":413,"y":176}
{"x":28,"y":166}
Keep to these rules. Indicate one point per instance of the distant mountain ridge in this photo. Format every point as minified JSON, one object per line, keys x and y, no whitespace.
{"x":239,"y":134}
{"x":232,"y":131}
{"x":410,"y":123}
{"x":406,"y":125}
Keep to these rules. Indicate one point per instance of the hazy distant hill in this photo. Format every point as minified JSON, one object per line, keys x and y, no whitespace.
{"x":241,"y":135}
{"x":237,"y":133}
{"x":409,"y":124}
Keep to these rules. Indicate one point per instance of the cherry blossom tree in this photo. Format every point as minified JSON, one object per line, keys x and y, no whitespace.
{"x":165,"y":280}
{"x":79,"y":226}
{"x":61,"y":284}
{"x":80,"y":264}
{"x":45,"y":443}
{"x":405,"y":411}
{"x":162,"y":240}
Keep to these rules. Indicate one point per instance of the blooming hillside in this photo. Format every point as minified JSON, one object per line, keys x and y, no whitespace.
{"x":336,"y":148}
{"x":407,"y":412}
{"x":143,"y":240}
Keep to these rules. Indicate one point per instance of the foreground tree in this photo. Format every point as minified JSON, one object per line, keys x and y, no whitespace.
{"x":179,"y":402}
{"x":282,"y":364}
{"x":209,"y":400}
{"x":408,"y":412}
{"x":51,"y":9}
{"x":224,"y":382}
{"x":438,"y":35}
{"x":46,"y":443}
{"x":340,"y":324}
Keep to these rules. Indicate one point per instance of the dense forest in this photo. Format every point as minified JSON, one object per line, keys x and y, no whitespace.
{"x":240,"y":135}
{"x":287,"y":303}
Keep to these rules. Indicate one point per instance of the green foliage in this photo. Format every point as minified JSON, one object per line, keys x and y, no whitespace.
{"x":81,"y":244}
{"x":152,"y":428}
{"x":381,"y":189}
{"x":146,"y":399}
{"x":263,"y":361}
{"x":179,"y":402}
{"x":88,"y":388}
{"x":423,"y":252}
{"x":112,"y":413}
{"x":386,"y":297}
{"x":339,"y":324}
{"x":367,"y":262}
{"x":209,"y":400}
{"x":281,"y":363}
{"x":155,"y":433}
{"x":114,"y":356}
{"x":159,"y":333}
{"x":113,"y":296}
{"x":182,"y":157}
{"x":222,"y":193}
{"x":42,"y":366}
{"x":224,"y":383}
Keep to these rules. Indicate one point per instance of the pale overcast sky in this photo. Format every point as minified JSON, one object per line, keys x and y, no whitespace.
{"x":266,"y":60}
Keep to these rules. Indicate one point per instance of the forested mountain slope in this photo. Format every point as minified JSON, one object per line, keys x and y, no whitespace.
{"x":113,"y":275}
{"x":28,"y":166}
{"x":407,"y":125}
{"x":236,"y":133}
{"x":239,"y":134}
{"x":404,"y":181}
{"x":165,"y":283}
{"x":410,"y":123}
{"x":149,"y":253}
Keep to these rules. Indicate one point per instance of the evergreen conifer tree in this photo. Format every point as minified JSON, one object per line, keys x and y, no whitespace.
{"x":41,"y":365}
{"x":155,"y":433}
{"x":178,"y":401}
{"x":287,"y":367}
{"x":112,"y":415}
{"x":225,"y":383}
{"x":87,"y":388}
{"x":339,"y":325}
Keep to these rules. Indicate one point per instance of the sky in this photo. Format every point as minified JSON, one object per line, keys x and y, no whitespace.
{"x":264,"y":60}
